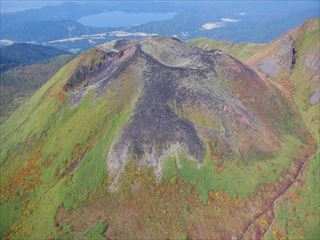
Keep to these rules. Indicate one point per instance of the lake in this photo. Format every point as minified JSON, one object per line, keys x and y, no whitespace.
{"x":123,"y":19}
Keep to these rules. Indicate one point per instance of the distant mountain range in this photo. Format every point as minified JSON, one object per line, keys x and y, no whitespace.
{"x":234,"y":21}
{"x":24,"y":67}
{"x":25,"y":53}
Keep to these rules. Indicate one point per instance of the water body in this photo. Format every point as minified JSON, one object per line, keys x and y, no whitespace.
{"x":123,"y":19}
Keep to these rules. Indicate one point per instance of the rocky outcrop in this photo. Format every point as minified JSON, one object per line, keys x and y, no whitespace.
{"x":281,"y":58}
{"x":315,"y":98}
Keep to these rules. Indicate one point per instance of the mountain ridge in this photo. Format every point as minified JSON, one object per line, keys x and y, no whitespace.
{"x":20,"y":82}
{"x":25,"y":53}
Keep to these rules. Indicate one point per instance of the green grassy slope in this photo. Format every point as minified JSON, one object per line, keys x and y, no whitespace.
{"x":54,"y":137}
{"x":19,"y":83}
{"x":297,"y":212}
{"x":301,"y":215}
{"x":237,"y":178}
{"x":305,"y":80}
{"x":241,"y":51}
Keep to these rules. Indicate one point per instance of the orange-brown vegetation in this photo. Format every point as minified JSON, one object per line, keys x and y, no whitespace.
{"x":24,"y":180}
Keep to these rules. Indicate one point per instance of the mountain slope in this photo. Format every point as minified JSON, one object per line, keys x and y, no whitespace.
{"x":25,"y":53}
{"x":19,"y":83}
{"x":155,"y":135}
{"x":292,"y":61}
{"x":241,"y":51}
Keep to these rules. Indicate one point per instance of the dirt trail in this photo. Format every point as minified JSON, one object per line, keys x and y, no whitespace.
{"x":291,"y":178}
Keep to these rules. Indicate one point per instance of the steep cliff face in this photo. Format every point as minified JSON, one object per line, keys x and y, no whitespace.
{"x":281,"y":58}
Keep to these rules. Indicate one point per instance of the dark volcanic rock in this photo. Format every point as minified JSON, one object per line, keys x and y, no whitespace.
{"x":177,"y":80}
{"x":95,"y":71}
{"x":155,"y":127}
